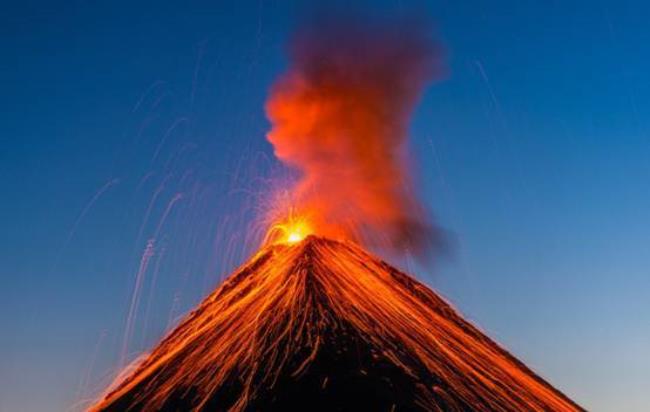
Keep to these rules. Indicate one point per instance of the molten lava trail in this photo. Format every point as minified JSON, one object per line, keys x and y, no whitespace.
{"x":324,"y":325}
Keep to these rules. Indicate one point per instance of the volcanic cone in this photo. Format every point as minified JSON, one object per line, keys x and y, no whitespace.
{"x":322,"y":325}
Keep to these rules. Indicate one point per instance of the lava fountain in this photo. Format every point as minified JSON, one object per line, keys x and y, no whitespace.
{"x":313,"y":321}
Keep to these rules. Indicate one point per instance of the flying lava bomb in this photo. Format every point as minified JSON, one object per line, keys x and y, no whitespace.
{"x":313,"y":321}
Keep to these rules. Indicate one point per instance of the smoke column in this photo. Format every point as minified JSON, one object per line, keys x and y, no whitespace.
{"x":340,"y":116}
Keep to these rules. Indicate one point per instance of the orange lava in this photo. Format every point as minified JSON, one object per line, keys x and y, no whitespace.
{"x":292,"y":229}
{"x":269,"y":319}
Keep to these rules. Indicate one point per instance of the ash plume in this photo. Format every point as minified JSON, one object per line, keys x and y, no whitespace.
{"x":340,"y":117}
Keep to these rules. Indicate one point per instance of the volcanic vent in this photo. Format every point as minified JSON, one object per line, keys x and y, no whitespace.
{"x":322,"y":325}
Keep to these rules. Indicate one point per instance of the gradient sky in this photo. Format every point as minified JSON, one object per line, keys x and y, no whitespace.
{"x":122,"y":124}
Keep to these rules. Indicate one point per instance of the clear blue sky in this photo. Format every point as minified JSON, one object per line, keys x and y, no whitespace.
{"x":534,"y":154}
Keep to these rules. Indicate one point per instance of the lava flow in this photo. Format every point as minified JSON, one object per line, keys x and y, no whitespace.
{"x":322,"y":325}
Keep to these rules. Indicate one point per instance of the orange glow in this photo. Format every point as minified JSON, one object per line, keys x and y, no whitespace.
{"x":290,"y":230}
{"x":295,"y":237}
{"x":277,"y":314}
{"x":296,"y":231}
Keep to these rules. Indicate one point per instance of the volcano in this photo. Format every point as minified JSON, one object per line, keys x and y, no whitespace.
{"x":323,"y":325}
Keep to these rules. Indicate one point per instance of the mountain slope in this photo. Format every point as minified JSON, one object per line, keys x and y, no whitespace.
{"x":323,"y":325}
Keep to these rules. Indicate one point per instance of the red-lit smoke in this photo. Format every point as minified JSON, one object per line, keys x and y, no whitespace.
{"x":340,"y":116}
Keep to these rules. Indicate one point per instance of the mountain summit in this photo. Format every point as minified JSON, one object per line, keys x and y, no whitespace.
{"x":322,"y":325}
